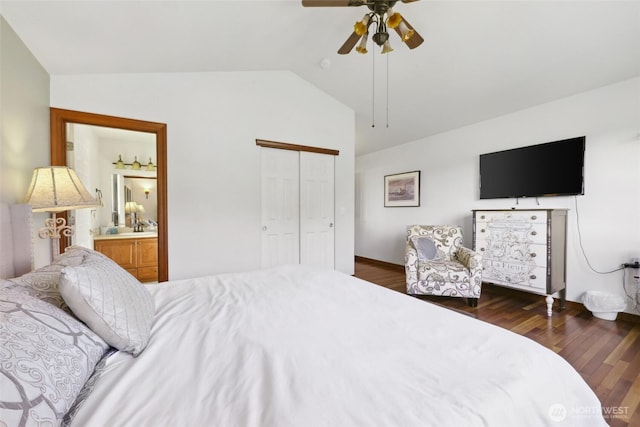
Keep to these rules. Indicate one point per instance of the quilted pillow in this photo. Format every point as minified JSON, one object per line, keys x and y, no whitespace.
{"x":425,"y":247}
{"x":43,"y":282}
{"x":113,"y":303}
{"x":46,"y":356}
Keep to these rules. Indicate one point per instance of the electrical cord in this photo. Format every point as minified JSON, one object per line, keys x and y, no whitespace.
{"x":624,"y":271}
{"x":582,"y":247}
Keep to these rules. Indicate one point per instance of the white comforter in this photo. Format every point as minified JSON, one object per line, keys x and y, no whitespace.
{"x":303,"y":347}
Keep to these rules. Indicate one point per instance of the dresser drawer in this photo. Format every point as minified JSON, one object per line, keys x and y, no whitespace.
{"x":533,"y":253}
{"x":512,"y":216}
{"x":527,"y":275}
{"x":512,"y":232}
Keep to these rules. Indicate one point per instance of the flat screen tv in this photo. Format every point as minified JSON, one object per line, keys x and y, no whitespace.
{"x":551,"y":169}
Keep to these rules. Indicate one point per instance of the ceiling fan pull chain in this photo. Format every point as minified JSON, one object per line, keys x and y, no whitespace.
{"x":373,"y":91}
{"x":387,"y":91}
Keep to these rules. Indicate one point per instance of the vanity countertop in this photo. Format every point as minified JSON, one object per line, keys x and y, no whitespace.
{"x":130,"y":235}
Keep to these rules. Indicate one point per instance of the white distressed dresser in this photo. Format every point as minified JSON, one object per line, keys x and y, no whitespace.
{"x":523,"y":249}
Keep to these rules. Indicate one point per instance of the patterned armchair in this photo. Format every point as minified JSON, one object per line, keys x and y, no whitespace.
{"x":436,"y":263}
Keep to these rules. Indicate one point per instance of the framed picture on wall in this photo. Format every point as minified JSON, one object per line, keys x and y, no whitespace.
{"x":402,"y":189}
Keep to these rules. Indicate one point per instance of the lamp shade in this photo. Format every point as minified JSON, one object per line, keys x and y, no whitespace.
{"x":130,"y":207}
{"x":57,"y":189}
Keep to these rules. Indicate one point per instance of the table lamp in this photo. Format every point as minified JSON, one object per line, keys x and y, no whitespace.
{"x":57,"y":189}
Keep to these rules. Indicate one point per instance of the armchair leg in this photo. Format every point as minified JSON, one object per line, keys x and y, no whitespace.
{"x":473,"y":302}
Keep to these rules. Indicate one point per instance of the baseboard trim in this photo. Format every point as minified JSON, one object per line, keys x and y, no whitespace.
{"x":629,"y":317}
{"x":384,"y":264}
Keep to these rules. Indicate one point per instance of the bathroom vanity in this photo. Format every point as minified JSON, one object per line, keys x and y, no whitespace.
{"x":135,"y":252}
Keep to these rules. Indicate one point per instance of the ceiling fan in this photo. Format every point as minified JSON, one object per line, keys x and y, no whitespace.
{"x":382,"y":16}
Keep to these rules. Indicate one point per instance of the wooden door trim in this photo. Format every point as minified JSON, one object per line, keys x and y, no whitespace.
{"x":295,"y":147}
{"x":58,"y":120}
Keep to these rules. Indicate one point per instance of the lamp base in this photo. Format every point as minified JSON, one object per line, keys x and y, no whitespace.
{"x":53,"y":228}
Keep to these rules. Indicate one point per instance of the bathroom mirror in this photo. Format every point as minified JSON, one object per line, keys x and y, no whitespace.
{"x":62,"y":136}
{"x":141,"y":190}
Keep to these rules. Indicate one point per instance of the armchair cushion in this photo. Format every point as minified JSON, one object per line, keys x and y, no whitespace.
{"x":440,"y":273}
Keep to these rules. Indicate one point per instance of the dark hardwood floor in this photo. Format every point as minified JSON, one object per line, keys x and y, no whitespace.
{"x":605,"y":353}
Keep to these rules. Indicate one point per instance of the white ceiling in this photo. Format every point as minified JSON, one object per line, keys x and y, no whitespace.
{"x":480,"y":59}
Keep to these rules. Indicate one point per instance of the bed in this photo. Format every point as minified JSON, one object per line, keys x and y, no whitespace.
{"x":286,"y":346}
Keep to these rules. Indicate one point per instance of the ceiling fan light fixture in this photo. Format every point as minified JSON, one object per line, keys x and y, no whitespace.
{"x":360,"y":27}
{"x":380,"y":38}
{"x":382,"y":15}
{"x":386,"y":48}
{"x":405,"y":32}
{"x":394,"y":19}
{"x":362,"y":46}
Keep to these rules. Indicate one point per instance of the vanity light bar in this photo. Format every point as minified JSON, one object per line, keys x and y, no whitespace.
{"x":136,"y":165}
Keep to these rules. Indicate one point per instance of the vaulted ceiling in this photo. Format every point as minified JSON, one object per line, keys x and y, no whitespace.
{"x":480,"y":59}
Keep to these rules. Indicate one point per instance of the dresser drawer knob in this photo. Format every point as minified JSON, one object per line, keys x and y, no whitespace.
{"x":534,"y":233}
{"x":534,"y":217}
{"x":532,"y":277}
{"x":481,"y":249}
{"x":482,"y":230}
{"x":482,"y":216}
{"x":533,"y":255}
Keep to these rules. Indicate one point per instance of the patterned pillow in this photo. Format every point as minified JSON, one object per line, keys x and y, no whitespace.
{"x":112,"y":302}
{"x":43,"y":282}
{"x":46,"y":356}
{"x":425,"y":247}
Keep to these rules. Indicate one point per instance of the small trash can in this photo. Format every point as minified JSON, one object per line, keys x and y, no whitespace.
{"x":604,"y":305}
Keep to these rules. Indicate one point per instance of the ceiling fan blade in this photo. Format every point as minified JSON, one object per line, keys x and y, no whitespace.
{"x":333,"y":3}
{"x":415,"y":40}
{"x":349,"y":44}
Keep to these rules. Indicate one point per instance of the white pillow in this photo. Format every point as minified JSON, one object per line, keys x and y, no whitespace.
{"x":113,"y":303}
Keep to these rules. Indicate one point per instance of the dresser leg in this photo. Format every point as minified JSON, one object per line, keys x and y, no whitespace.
{"x":549,"y":300}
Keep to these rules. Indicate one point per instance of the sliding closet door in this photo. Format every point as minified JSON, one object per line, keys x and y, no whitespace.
{"x":297,"y":208}
{"x":280,"y":207}
{"x":316,"y":209}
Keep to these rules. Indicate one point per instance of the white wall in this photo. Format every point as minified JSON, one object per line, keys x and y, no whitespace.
{"x":609,"y":211}
{"x":24,"y":124}
{"x":213,"y":120}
